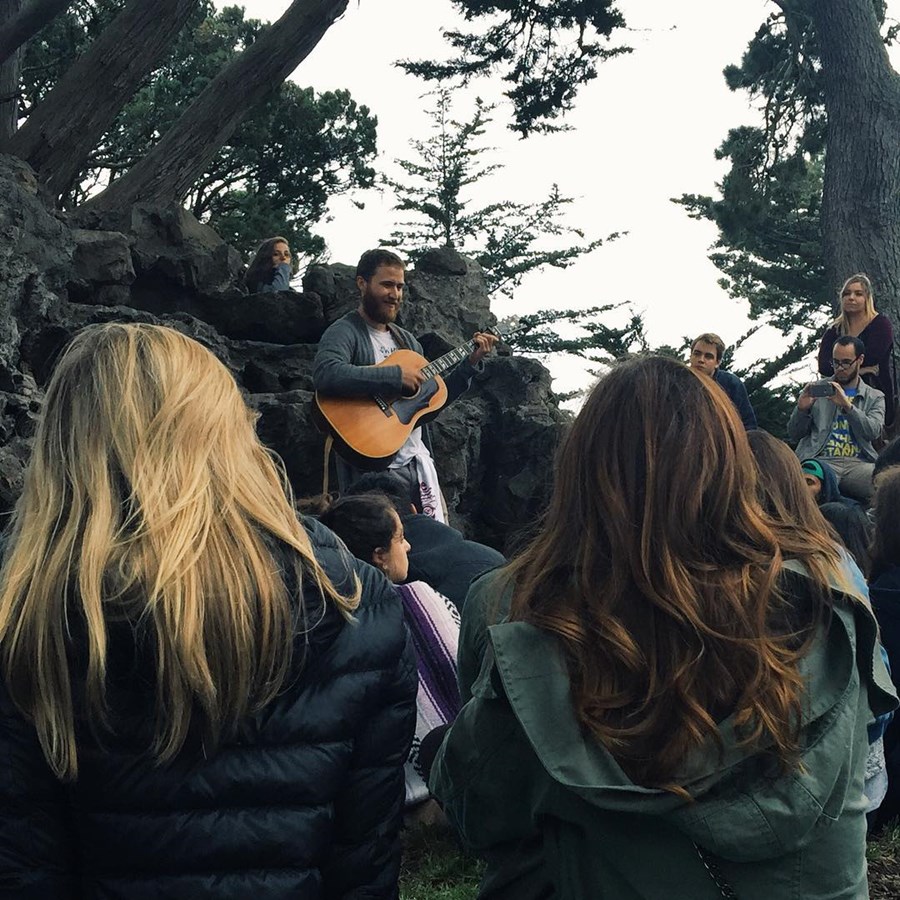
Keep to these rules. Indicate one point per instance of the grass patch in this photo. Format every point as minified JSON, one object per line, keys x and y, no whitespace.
{"x":434,"y":866}
{"x":883,"y":854}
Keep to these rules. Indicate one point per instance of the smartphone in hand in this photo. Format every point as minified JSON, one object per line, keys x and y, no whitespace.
{"x":821,"y":389}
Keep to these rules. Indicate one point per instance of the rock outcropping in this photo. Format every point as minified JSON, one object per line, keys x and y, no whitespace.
{"x":58,"y":273}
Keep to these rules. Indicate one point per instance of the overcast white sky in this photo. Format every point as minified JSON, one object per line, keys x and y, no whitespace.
{"x":644,"y":131}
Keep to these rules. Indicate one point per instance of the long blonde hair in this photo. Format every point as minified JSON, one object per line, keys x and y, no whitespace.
{"x":841,"y":322}
{"x":149,"y":498}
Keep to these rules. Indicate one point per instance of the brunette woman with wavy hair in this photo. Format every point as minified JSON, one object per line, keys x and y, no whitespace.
{"x":884,"y":588}
{"x":640,"y":722}
{"x":781,"y":488}
{"x":170,"y":633}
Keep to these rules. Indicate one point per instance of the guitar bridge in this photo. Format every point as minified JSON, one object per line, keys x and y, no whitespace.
{"x":384,"y":407}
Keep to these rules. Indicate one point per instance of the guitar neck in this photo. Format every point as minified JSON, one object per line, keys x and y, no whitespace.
{"x":448,"y":360}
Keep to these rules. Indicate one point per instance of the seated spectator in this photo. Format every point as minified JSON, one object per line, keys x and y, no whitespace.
{"x":887,"y":458}
{"x":783,"y":496}
{"x":439,"y":555}
{"x":840,"y":425}
{"x":821,"y":481}
{"x":271,"y":269}
{"x":884,"y":589}
{"x":781,"y":488}
{"x":853,"y":527}
{"x":201,"y":697}
{"x":857,"y":317}
{"x":638,"y":721}
{"x":373,"y":532}
{"x":706,"y":358}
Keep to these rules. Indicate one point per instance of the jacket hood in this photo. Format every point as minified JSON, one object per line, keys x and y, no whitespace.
{"x":738,"y":810}
{"x":830,"y":492}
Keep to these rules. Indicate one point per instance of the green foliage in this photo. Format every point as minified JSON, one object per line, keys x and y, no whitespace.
{"x":276,"y":173}
{"x":597,"y":341}
{"x":59,"y":44}
{"x":590,"y":337}
{"x":769,"y":248}
{"x":545,"y":51}
{"x":508,"y":239}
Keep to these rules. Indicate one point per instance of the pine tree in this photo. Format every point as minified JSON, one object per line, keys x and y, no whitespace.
{"x":508,"y":239}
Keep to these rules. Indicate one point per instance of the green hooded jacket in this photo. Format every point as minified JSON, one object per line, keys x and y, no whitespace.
{"x":556,"y":817}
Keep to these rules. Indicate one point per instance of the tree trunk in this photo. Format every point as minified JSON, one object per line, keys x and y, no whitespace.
{"x":58,"y":136}
{"x":169,"y":170}
{"x":25,"y":23}
{"x":861,"y":192}
{"x":9,"y":77}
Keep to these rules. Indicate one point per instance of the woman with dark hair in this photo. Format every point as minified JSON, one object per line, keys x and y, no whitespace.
{"x":674,"y":699}
{"x":858,"y":318}
{"x":780,"y":485}
{"x":271,"y":269}
{"x":884,"y":589}
{"x":854,"y":528}
{"x":373,"y":532}
{"x":201,"y":696}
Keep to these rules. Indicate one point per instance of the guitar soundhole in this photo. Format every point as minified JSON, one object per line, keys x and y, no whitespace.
{"x":407,"y":407}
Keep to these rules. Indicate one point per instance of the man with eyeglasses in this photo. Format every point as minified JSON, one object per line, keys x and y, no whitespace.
{"x":839,"y":428}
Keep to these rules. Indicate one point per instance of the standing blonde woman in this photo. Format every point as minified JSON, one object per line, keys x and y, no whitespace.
{"x":200,"y":696}
{"x":858,"y":318}
{"x":674,"y":698}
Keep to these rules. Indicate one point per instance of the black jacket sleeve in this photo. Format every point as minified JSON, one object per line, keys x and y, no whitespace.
{"x":364,"y":863}
{"x":36,"y":844}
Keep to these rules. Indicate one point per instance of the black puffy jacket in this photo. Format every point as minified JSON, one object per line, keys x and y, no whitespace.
{"x":305,"y":802}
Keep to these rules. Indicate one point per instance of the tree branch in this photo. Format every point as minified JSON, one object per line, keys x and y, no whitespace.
{"x":29,"y":21}
{"x":167,"y":172}
{"x":61,"y":132}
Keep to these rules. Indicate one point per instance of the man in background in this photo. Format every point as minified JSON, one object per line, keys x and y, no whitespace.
{"x":706,"y":358}
{"x":839,"y":428}
{"x":345,"y":367}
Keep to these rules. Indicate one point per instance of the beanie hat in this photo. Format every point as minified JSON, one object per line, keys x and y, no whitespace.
{"x":813,"y":467}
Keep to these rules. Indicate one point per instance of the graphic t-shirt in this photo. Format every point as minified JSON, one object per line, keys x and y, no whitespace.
{"x":841,"y":443}
{"x":414,"y":449}
{"x":384,"y":345}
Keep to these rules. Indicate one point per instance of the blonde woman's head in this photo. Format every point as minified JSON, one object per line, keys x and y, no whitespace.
{"x":856,"y":298}
{"x":149,"y":498}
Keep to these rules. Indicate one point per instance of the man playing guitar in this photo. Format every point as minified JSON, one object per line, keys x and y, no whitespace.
{"x":345,"y":366}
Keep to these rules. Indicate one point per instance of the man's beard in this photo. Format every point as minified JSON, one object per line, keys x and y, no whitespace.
{"x":377,"y":311}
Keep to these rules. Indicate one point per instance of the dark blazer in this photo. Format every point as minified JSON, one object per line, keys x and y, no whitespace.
{"x":440,"y":556}
{"x":305,"y":802}
{"x":737,"y":393}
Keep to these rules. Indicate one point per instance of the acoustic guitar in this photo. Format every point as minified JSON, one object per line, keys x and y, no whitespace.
{"x":368,"y":431}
